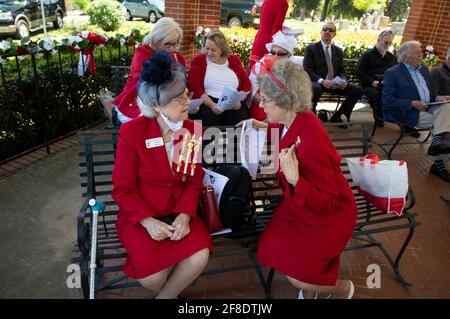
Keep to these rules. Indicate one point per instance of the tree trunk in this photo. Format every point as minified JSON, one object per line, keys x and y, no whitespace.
{"x":388,"y":9}
{"x":325,"y":10}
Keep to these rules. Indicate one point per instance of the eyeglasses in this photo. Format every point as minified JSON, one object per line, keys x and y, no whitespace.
{"x":183,"y":99}
{"x":169,"y":45}
{"x":329,"y":30}
{"x":279,"y":53}
{"x":264,"y":101}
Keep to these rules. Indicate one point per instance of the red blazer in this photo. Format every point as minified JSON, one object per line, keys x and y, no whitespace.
{"x":126,"y":100}
{"x":322,"y":194}
{"x":143,"y":183}
{"x":272,"y":15}
{"x":197,"y":73}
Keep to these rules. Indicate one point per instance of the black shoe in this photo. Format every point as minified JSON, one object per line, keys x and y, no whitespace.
{"x":336,"y":119}
{"x":411,"y":132}
{"x":379,"y":123}
{"x":440,"y":172}
{"x":437,"y":149}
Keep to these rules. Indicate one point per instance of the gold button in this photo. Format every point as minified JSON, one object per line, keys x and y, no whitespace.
{"x":183,"y":178}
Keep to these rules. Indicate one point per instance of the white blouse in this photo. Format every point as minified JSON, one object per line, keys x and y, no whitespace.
{"x":217,"y":77}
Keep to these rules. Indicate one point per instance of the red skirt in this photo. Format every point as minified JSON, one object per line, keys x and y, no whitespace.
{"x":147,"y":256}
{"x":308,"y":253}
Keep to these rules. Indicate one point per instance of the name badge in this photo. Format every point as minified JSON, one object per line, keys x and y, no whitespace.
{"x":154,"y":142}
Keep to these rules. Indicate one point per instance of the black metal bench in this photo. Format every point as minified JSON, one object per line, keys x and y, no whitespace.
{"x":97,"y":164}
{"x":412,"y":136}
{"x":350,"y":70}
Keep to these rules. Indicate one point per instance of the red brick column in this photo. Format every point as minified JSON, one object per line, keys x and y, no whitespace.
{"x":428,"y":22}
{"x":190,"y":14}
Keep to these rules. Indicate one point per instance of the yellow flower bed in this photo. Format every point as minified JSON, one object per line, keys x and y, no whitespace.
{"x":353,"y":43}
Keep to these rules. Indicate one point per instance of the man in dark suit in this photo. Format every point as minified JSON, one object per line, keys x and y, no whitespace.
{"x":407,"y":95}
{"x":371,"y":67}
{"x":323,"y":62}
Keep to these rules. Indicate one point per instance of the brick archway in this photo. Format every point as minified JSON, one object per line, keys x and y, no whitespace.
{"x":428,"y":23}
{"x":190,"y":14}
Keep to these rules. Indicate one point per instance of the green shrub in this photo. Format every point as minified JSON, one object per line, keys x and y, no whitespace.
{"x":106,"y":14}
{"x":79,"y":4}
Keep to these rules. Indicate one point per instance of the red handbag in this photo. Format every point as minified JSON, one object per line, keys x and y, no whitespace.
{"x":208,"y":210}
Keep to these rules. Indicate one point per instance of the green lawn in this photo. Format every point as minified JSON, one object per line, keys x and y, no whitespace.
{"x":308,"y":26}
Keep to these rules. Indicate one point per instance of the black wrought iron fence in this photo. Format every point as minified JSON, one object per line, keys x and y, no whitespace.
{"x":43,"y":98}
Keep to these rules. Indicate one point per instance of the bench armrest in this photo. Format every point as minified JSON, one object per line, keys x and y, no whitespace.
{"x":83,"y":230}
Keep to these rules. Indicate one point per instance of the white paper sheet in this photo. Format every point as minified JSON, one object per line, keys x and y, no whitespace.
{"x":438,"y":103}
{"x":251,"y":147}
{"x":195,"y":103}
{"x":338,"y":81}
{"x":216,"y":181}
{"x":230,"y":97}
{"x":223,"y":231}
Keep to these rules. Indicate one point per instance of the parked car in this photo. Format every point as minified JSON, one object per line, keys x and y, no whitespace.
{"x":237,"y":13}
{"x":149,"y":10}
{"x":19,"y":18}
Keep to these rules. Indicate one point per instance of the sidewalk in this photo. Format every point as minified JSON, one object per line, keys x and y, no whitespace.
{"x":39,"y":203}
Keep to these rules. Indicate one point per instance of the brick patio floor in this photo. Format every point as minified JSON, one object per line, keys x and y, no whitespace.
{"x":426,"y":262}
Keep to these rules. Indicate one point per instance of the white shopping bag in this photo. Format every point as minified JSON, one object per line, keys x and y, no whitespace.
{"x":383,"y":183}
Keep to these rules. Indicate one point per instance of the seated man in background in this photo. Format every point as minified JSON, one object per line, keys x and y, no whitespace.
{"x":407,"y":93}
{"x":371,"y":69}
{"x":440,"y":77}
{"x":323,"y":62}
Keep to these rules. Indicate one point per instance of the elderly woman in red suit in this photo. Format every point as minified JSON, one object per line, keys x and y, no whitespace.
{"x":272,"y":15}
{"x":157,"y":180}
{"x":209,"y":73}
{"x":315,"y":219}
{"x":166,"y":35}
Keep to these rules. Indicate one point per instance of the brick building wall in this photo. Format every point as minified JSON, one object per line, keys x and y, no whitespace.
{"x":190,"y":14}
{"x":428,"y":22}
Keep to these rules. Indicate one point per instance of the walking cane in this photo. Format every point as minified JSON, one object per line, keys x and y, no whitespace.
{"x":96,"y":206}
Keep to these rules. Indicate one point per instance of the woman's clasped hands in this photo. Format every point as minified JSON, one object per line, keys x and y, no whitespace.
{"x":159,"y":230}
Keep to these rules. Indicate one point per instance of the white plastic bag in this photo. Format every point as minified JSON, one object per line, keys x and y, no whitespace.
{"x":383,"y":183}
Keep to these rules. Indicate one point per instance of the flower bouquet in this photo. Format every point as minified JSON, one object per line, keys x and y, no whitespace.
{"x":200,"y":33}
{"x":430,"y":56}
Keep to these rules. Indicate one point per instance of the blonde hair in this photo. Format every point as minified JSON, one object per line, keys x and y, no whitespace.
{"x":219,"y":39}
{"x":297,"y":95}
{"x":165,"y":30}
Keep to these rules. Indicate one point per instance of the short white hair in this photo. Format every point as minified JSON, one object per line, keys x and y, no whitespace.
{"x":297,"y":92}
{"x":165,"y":29}
{"x":405,"y":49}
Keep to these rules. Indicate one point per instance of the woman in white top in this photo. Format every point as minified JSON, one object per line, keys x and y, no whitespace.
{"x":281,"y":48}
{"x":209,"y":73}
